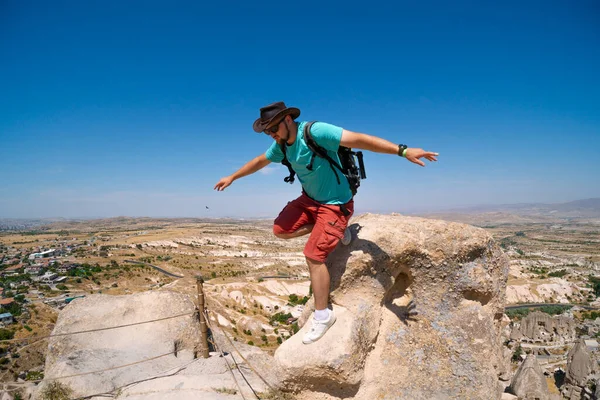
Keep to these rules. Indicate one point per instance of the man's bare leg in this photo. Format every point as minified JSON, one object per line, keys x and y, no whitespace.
{"x":323,"y":318}
{"x":319,"y":279}
{"x":303,"y":230}
{"x":319,"y":274}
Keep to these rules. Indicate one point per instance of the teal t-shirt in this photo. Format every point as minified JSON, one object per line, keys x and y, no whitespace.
{"x":320,"y":183}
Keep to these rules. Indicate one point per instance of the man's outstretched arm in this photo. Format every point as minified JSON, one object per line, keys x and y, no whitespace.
{"x":373,"y":143}
{"x":250,"y":167}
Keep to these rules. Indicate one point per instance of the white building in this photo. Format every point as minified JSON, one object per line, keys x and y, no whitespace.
{"x":33,"y":270}
{"x":6,"y":319}
{"x":48,"y":276}
{"x":47,"y":253}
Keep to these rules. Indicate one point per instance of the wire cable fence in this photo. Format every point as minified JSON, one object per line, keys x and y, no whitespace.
{"x":243,"y":358}
{"x":177,"y":349}
{"x":164,"y":374}
{"x":234,"y":361}
{"x":230,"y":370}
{"x":104,"y":369}
{"x":38,"y":338}
{"x":161,"y":375}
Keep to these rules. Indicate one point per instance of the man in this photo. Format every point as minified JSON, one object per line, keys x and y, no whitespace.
{"x":326,"y":203}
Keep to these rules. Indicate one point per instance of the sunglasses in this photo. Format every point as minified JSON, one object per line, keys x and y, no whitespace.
{"x":273,"y":129}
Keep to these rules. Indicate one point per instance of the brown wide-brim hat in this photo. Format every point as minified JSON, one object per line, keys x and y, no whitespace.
{"x":273,"y":112}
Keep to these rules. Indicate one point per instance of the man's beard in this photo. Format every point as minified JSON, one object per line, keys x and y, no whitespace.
{"x":287,"y":136}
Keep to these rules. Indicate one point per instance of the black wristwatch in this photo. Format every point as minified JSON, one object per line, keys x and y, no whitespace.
{"x":401,"y":148}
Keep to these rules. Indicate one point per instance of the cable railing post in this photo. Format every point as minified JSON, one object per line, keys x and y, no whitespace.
{"x":203,"y":326}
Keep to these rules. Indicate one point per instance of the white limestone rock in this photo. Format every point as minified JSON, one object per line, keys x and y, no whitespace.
{"x":420,"y":309}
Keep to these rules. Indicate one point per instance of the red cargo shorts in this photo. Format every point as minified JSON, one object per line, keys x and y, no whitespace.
{"x":329,"y":220}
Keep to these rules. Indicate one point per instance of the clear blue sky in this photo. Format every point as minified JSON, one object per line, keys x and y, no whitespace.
{"x":138,"y":107}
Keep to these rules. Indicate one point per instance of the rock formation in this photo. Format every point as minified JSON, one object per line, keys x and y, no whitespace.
{"x":420,"y":316}
{"x":529,"y":382}
{"x":99,"y":350}
{"x":419,"y":305}
{"x":580,"y":364}
{"x":539,"y":327}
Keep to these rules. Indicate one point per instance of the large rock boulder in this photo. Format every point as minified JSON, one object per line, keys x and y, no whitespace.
{"x":579,"y":364}
{"x":419,"y":305}
{"x":529,"y":382}
{"x":115,"y":353}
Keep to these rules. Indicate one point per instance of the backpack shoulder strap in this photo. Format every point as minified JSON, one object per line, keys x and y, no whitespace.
{"x":319,"y":151}
{"x":311,"y":143}
{"x":291,"y":177}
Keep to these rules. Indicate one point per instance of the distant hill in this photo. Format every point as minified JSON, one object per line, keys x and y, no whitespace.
{"x":589,"y":207}
{"x":114,"y":223}
{"x":482,"y":214}
{"x":523,"y":212}
{"x":20,"y":224}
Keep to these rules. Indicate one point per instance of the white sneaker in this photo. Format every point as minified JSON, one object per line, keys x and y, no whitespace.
{"x":318,"y":329}
{"x":347,"y":237}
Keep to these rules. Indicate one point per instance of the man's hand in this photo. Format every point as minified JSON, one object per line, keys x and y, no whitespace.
{"x":413,"y":155}
{"x":223,"y":183}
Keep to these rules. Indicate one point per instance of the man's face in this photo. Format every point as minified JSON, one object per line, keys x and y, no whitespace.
{"x":279,"y":132}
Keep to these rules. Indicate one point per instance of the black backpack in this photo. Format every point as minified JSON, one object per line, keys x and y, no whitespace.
{"x":348,"y":159}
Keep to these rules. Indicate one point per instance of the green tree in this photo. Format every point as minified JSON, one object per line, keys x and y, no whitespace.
{"x":280,"y":317}
{"x":6,"y":334}
{"x":595,"y":284}
{"x":517,"y":354}
{"x":558,"y":274}
{"x":295,"y":328}
{"x":15,"y":308}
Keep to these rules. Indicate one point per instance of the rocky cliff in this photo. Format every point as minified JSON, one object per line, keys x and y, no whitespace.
{"x":419,"y":305}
